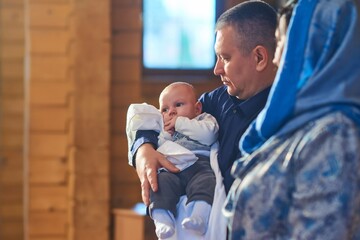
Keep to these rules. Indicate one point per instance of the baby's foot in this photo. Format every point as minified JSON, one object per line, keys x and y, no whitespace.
{"x":196,"y":224}
{"x":164,"y":223}
{"x":163,"y":231}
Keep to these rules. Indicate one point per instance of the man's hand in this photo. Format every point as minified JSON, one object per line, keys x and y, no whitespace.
{"x":148,"y":161}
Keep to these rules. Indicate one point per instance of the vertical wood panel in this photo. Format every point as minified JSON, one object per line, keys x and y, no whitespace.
{"x":50,"y":15}
{"x":125,"y":89}
{"x":90,"y":153}
{"x":50,"y":113}
{"x":11,"y":119}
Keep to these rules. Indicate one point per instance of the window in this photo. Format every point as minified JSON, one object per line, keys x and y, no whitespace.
{"x":178,"y":36}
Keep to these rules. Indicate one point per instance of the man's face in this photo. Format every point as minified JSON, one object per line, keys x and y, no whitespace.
{"x":280,"y":35}
{"x":236,"y":69}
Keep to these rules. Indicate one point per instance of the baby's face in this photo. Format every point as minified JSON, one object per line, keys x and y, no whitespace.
{"x":280,"y":35}
{"x":178,"y":101}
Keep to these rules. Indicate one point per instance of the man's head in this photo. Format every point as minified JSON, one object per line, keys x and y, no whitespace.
{"x":179,"y":99}
{"x":245,"y":45}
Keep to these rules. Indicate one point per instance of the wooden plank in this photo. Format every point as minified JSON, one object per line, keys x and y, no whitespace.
{"x":12,"y":106}
{"x":126,"y":3}
{"x":50,"y":119}
{"x":50,"y":41}
{"x":92,"y":188}
{"x":49,"y":238}
{"x":12,"y":3}
{"x":100,"y":17}
{"x":12,"y":211}
{"x":92,"y":233}
{"x":12,"y":140}
{"x":92,"y":131}
{"x":132,"y":41}
{"x":49,"y":171}
{"x":32,"y":2}
{"x":125,"y":195}
{"x":42,"y":223}
{"x":48,"y":145}
{"x":11,"y":193}
{"x":92,"y":162}
{"x":49,"y":68}
{"x":12,"y":176}
{"x":48,"y":198}
{"x":90,"y":214}
{"x":13,"y":34}
{"x":12,"y":229}
{"x":12,"y":51}
{"x":126,"y":70}
{"x":91,"y":64}
{"x":126,"y":18}
{"x":12,"y":16}
{"x":50,"y":94}
{"x":119,"y":146}
{"x":152,"y":89}
{"x":12,"y":69}
{"x":12,"y":163}
{"x":50,"y":14}
{"x":123,"y":98}
{"x":131,"y":225}
{"x":13,"y":123}
{"x":118,"y":119}
{"x":122,"y":172}
{"x":99,"y":67}
{"x":13,"y":87}
{"x":12,"y":159}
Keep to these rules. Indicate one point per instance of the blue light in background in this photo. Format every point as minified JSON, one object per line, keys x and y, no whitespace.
{"x":179,"y":34}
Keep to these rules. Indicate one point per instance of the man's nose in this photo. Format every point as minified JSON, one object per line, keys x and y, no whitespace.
{"x":218,"y":68}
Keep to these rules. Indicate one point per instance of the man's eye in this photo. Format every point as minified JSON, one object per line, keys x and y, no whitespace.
{"x":224,"y":59}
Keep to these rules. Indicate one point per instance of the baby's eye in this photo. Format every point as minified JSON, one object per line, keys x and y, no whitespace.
{"x":164,"y":110}
{"x":179,"y":104}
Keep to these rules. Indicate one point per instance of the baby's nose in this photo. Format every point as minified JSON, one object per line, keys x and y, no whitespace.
{"x":172,"y":111}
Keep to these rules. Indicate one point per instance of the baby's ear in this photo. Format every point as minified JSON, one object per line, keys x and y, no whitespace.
{"x":198,"y":108}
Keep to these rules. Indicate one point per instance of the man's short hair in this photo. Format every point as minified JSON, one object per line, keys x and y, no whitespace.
{"x":255,"y":23}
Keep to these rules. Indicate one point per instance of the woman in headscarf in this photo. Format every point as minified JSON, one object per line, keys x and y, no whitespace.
{"x":300,"y":176}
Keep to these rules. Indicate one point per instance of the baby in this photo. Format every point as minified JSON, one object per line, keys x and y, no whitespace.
{"x":185,"y":138}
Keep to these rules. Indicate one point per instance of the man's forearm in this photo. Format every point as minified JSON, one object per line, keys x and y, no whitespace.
{"x":142,"y":137}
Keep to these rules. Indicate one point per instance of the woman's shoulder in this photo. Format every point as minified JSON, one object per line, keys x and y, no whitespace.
{"x":331,"y":124}
{"x":333,"y":134}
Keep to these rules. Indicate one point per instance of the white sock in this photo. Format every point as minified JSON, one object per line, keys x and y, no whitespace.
{"x":199,"y":218}
{"x":164,"y":223}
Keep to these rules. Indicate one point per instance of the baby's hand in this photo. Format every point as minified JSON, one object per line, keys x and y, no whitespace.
{"x":169,"y":125}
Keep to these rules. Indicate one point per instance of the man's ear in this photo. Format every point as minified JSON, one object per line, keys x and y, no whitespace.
{"x":198,"y":107}
{"x":261,"y":57}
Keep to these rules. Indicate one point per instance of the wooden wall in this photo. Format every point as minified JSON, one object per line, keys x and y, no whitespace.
{"x":68,"y":79}
{"x":11,"y":119}
{"x":125,"y":89}
{"x":49,"y":106}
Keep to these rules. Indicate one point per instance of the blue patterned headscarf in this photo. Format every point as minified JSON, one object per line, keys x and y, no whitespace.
{"x":319,"y":71}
